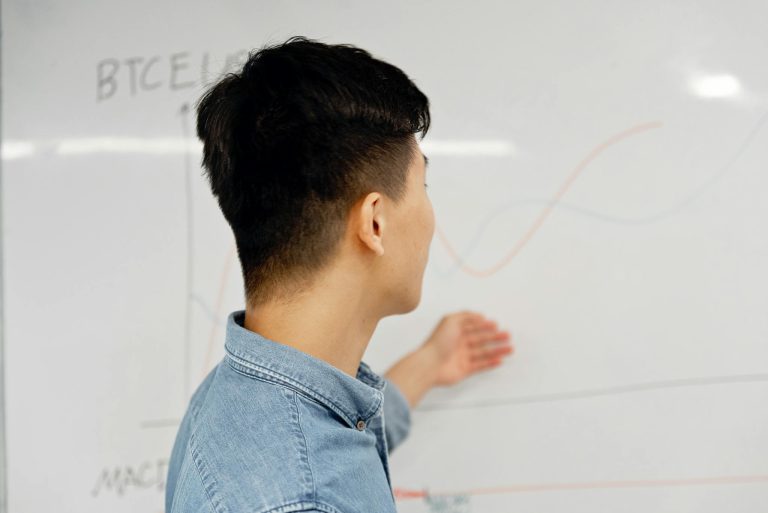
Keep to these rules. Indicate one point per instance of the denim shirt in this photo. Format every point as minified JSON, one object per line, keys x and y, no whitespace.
{"x":272,"y":429}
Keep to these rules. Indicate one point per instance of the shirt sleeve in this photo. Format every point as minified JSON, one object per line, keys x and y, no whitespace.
{"x":397,"y":416}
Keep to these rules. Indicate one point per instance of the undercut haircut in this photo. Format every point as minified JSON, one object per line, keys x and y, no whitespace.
{"x":292,"y":141}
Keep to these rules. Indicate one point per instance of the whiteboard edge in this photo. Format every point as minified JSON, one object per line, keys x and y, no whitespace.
{"x":3,"y":466}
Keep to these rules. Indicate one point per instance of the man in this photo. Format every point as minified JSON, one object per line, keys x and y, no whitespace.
{"x":312,"y":155}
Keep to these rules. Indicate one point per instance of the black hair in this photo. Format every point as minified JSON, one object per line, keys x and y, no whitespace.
{"x":292,"y":141}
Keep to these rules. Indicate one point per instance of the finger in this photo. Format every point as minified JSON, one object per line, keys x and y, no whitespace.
{"x":490,"y":343}
{"x":480,"y":325}
{"x":474,"y":325}
{"x":493,"y":352}
{"x":488,"y":336}
{"x":487,"y":364}
{"x":482,"y":329}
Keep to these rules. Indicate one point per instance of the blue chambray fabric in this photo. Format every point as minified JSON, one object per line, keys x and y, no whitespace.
{"x":272,"y":429}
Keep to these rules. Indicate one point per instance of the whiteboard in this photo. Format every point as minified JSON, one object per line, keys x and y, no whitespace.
{"x":598,"y":173}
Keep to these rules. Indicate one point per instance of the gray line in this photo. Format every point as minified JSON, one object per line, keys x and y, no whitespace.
{"x":190,"y":256}
{"x":207,"y":310}
{"x":598,"y":392}
{"x":560,"y":396}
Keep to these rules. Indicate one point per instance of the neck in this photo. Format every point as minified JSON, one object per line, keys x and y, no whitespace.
{"x":333,"y":321}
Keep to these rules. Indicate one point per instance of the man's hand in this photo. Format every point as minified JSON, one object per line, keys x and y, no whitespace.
{"x":462,"y":344}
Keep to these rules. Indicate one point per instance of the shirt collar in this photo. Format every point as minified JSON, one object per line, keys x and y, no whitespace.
{"x":353,"y":399}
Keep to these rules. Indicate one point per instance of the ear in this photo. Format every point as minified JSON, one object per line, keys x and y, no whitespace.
{"x":370,"y":222}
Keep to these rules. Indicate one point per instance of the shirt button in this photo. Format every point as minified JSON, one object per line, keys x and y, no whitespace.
{"x":360,"y":425}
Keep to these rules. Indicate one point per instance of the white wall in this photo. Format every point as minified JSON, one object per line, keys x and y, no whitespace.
{"x":598,"y":175}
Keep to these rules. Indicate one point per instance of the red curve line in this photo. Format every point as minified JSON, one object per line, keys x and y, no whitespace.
{"x":403,"y":494}
{"x":548,"y":209}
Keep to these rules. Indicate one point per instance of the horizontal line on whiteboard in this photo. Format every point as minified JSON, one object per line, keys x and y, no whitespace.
{"x":559,"y":396}
{"x":597,"y":392}
{"x":406,"y":493}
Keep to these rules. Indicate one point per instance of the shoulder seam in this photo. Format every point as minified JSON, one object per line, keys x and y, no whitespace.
{"x":197,"y":463}
{"x":293,"y":394}
{"x":199,"y":473}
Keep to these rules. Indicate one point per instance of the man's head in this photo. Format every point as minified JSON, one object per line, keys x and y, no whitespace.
{"x":311,"y":152}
